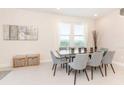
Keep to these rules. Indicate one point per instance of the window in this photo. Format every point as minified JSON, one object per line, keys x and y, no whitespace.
{"x":79,"y":35}
{"x":65,"y":31}
{"x":72,"y":35}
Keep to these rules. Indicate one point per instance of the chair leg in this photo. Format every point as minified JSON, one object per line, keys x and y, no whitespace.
{"x":95,"y":68}
{"x":72,"y":59}
{"x":55,"y":70}
{"x":91,"y":73}
{"x":75,"y":77}
{"x":101,"y":71}
{"x":79,"y":71}
{"x":66,"y":67}
{"x":105,"y":70}
{"x":61,"y":65}
{"x":69,"y":59}
{"x":112,"y":68}
{"x":102,"y":65}
{"x":83,"y":70}
{"x":53,"y":66}
{"x":69,"y":71}
{"x":86,"y":74}
{"x":106,"y":65}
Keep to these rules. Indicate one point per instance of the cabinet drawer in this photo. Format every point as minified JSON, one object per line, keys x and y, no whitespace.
{"x":33,"y":61}
{"x":19,"y":63}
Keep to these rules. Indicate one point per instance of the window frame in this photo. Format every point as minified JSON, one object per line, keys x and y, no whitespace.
{"x":72,"y":35}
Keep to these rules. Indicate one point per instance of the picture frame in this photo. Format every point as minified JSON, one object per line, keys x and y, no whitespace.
{"x":16,"y":32}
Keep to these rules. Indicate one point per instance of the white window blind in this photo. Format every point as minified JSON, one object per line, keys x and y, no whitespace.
{"x":72,"y":35}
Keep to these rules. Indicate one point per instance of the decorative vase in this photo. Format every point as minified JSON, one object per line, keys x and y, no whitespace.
{"x":95,"y":48}
{"x":95,"y":40}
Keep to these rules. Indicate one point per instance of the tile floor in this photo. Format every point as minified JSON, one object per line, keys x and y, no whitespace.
{"x":43,"y":75}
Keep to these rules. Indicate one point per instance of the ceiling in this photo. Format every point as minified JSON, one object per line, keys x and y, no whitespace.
{"x":79,"y":12}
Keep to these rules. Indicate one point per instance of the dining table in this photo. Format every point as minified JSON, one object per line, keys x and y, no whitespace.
{"x":68,"y":54}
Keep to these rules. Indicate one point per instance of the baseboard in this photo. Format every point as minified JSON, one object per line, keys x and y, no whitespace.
{"x":118,"y":63}
{"x":45,"y":61}
{"x":48,"y":61}
{"x":9,"y":66}
{"x":4,"y":66}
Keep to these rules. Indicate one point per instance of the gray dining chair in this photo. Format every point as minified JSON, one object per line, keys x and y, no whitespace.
{"x":63,"y":48}
{"x":79,"y":63}
{"x":107,"y":59}
{"x":57,"y":60}
{"x":68,"y":57}
{"x":104,"y":50}
{"x":95,"y":61}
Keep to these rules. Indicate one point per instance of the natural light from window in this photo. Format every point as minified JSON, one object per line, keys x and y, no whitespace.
{"x":72,"y":35}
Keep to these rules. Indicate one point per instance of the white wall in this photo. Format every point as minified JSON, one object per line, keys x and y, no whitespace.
{"x":111,"y":34}
{"x":47,"y":40}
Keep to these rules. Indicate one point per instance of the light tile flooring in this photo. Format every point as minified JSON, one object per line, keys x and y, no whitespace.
{"x":43,"y":75}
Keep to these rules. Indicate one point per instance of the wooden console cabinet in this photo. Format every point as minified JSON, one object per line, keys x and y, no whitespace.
{"x":26,"y":60}
{"x":33,"y":59}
